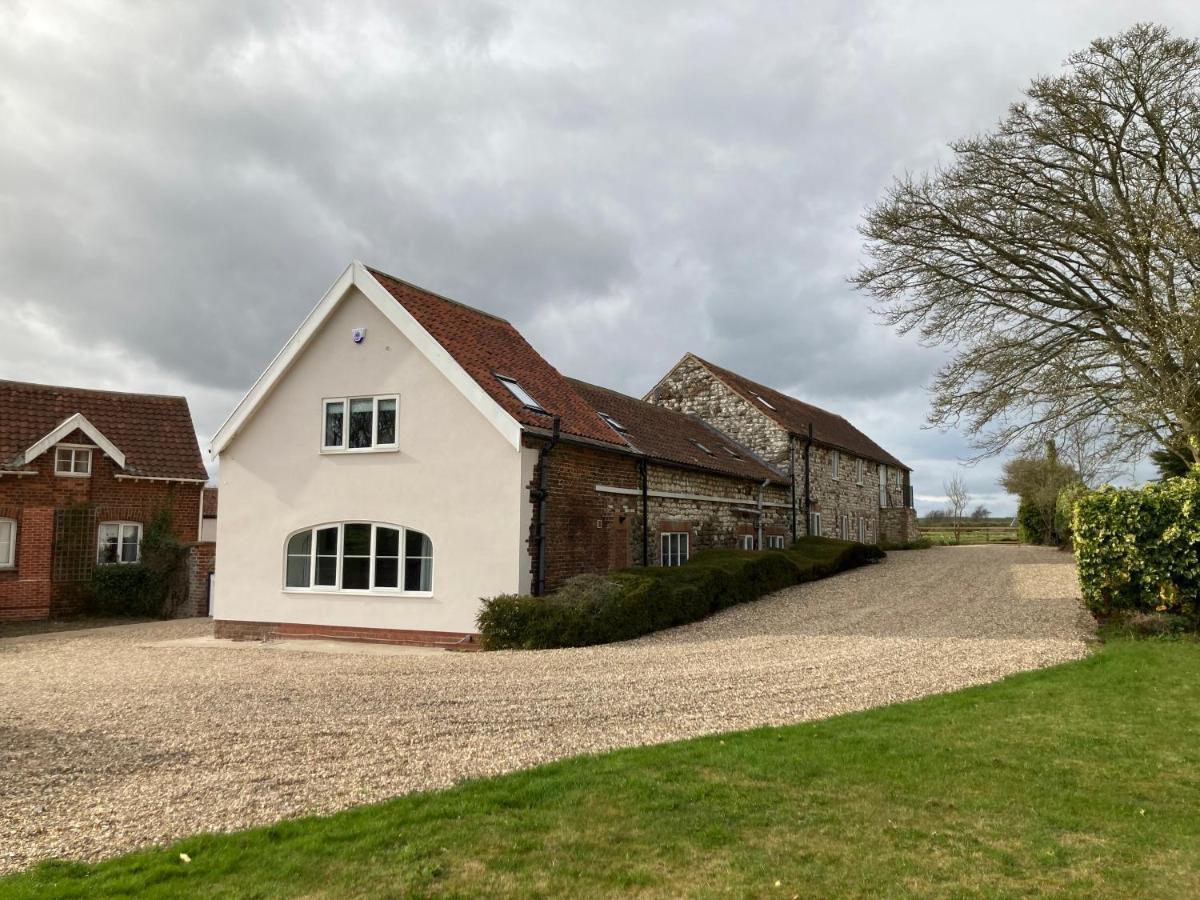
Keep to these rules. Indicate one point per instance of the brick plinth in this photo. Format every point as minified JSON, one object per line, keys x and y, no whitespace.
{"x":268,"y":631}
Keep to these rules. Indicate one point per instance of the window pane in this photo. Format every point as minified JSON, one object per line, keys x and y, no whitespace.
{"x":417,"y":544}
{"x":300,"y":544}
{"x":361,"y":413}
{"x":334,"y":419}
{"x":386,"y":426}
{"x":108,"y":544}
{"x":356,"y":573}
{"x":387,"y":572}
{"x":418,"y":574}
{"x":356,"y":540}
{"x":683,"y":548}
{"x":298,"y":571}
{"x":327,"y":541}
{"x":83,"y":462}
{"x":6,"y":543}
{"x":326,"y":571}
{"x":387,"y":541}
{"x":62,"y":460}
{"x":130,"y":539}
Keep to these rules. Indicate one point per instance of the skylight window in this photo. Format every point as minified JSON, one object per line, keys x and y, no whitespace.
{"x":763,"y":401}
{"x":731,"y":452}
{"x":702,"y":447}
{"x":514,"y":388}
{"x":613,"y":422}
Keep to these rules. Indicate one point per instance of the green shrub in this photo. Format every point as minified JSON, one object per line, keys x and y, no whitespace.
{"x":1031,"y":524}
{"x":152,"y":587}
{"x":1139,"y":550}
{"x":923,"y":543}
{"x":1064,"y":511}
{"x":600,"y":609}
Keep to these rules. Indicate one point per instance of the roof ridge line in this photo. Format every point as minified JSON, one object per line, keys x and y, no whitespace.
{"x":86,"y":390}
{"x":425,"y":290}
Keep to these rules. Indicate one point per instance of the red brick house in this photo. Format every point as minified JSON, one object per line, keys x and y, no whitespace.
{"x":81,"y":474}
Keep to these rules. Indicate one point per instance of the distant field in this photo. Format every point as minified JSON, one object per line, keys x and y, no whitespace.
{"x":943,"y":533}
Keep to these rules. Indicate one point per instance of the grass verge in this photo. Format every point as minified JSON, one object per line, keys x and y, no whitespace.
{"x":1078,"y":780}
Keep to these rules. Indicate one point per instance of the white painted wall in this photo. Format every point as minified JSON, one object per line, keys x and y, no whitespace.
{"x":455,"y":477}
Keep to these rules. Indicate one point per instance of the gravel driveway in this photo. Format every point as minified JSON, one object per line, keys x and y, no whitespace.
{"x":109,"y":742}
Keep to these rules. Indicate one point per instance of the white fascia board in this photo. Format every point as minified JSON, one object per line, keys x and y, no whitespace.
{"x":77,"y":421}
{"x":357,"y":276}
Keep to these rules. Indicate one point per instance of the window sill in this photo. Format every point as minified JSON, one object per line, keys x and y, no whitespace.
{"x":337,"y":592}
{"x":72,"y":474}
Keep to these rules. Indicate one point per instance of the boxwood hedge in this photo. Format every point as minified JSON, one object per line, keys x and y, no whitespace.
{"x":1139,"y":550}
{"x":600,"y":609}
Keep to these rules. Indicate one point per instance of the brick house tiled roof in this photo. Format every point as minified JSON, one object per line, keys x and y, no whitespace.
{"x":673,"y":437}
{"x":795,"y":415}
{"x":155,"y":433}
{"x":487,"y":346}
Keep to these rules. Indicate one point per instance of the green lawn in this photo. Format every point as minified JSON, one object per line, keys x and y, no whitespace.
{"x":1080,"y":780}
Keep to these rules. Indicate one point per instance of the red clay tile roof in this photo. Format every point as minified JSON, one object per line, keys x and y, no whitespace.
{"x":155,"y":433}
{"x":487,"y":346}
{"x":673,"y":437}
{"x":208,"y":503}
{"x":795,"y":415}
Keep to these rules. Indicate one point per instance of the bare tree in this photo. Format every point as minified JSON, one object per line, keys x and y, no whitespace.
{"x":957,"y":497}
{"x":980,"y":513}
{"x":1061,"y":254}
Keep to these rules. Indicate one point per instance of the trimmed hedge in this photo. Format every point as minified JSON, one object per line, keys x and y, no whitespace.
{"x":1139,"y":550}
{"x":601,"y":609}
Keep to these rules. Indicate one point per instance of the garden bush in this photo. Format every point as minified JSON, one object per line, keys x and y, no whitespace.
{"x":1139,"y":550}
{"x":152,"y":587}
{"x":600,"y":609}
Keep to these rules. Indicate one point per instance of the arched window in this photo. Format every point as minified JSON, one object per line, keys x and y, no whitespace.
{"x":8,"y":543}
{"x":359,"y":556}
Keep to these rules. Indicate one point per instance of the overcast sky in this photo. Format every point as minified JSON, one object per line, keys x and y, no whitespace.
{"x":181,"y":182}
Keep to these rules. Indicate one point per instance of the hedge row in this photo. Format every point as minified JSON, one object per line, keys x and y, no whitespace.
{"x":1139,"y":550}
{"x":600,"y":609}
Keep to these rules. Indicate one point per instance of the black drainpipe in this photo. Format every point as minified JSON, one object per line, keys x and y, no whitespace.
{"x":645,"y":484}
{"x":792,"y":477}
{"x":808,"y":480}
{"x":540,"y":495}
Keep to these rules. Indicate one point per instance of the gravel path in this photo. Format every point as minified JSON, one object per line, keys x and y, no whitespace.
{"x":108,"y":742}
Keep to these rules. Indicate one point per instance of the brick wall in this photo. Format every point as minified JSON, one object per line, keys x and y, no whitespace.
{"x":30,"y":591}
{"x":201,"y":562}
{"x":596,"y":531}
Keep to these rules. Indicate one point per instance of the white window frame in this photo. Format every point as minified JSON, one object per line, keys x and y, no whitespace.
{"x":836,"y":464}
{"x":814,"y":524}
{"x":120,"y":526}
{"x":336,"y":588}
{"x":345,"y":447}
{"x":8,"y":545}
{"x":76,"y":452}
{"x":860,"y":470}
{"x":613,"y":423}
{"x":681,"y":551}
{"x":844,"y":527}
{"x":518,"y":390}
{"x":862,"y":529}
{"x":747,"y":542}
{"x":776,"y":542}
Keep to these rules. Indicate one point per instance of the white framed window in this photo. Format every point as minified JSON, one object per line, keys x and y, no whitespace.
{"x":844,"y":527}
{"x":862,"y":529}
{"x":359,"y":557}
{"x":8,"y":543}
{"x":357,"y":424}
{"x":702,"y":447}
{"x":674,"y":547}
{"x":775,"y":542}
{"x":835,"y":462}
{"x":763,"y":401}
{"x":72,"y":462}
{"x":814,"y":524}
{"x":860,"y":469}
{"x":613,"y":422}
{"x":119,"y":543}
{"x":514,"y":388}
{"x":747,"y":542}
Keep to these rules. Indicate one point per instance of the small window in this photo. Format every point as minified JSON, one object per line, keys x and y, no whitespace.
{"x":613,"y":422}
{"x":8,"y":543}
{"x":814,"y":524}
{"x":674,"y":548}
{"x":862,"y":530}
{"x":360,"y":423}
{"x":763,"y":402}
{"x":702,"y":447}
{"x":120,"y":543}
{"x":860,"y":468}
{"x":844,"y":528}
{"x":775,"y":542}
{"x":73,"y":461}
{"x":835,"y":461}
{"x":731,"y":452}
{"x":747,"y":542}
{"x":359,"y":557}
{"x":514,"y":388}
